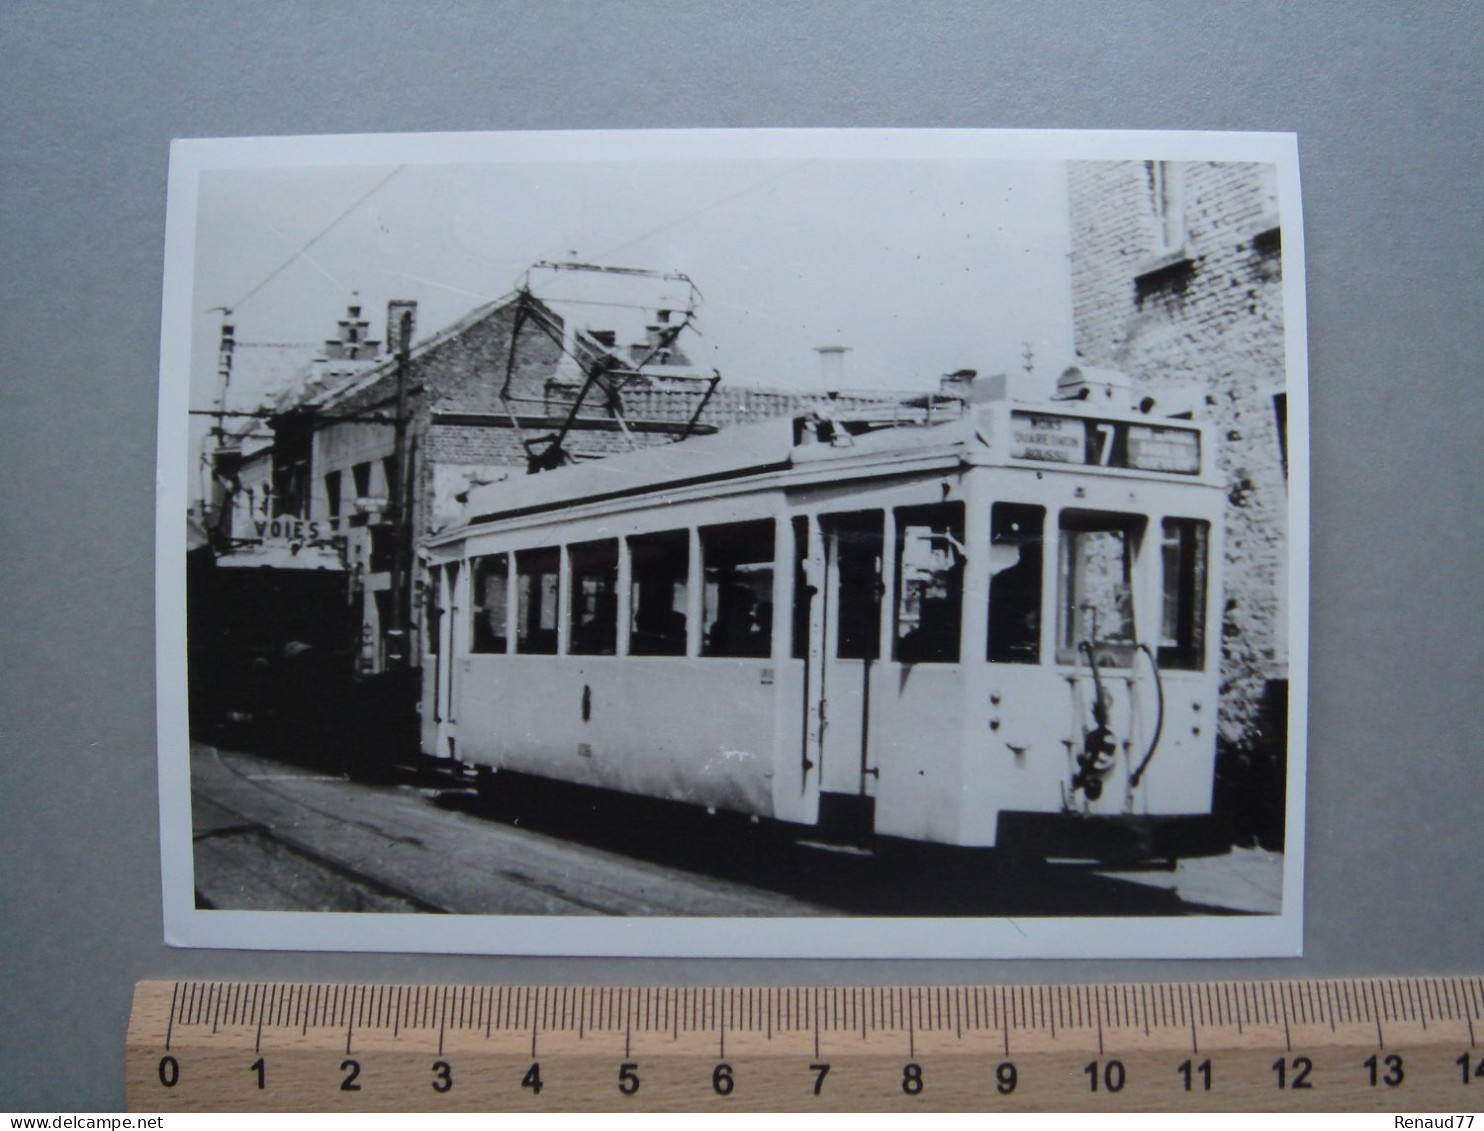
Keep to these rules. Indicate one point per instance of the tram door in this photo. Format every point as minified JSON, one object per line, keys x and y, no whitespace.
{"x":849,"y":649}
{"x":429,"y":707}
{"x":445,"y":700}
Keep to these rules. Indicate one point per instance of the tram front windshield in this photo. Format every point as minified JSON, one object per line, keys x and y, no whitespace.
{"x":1097,"y":588}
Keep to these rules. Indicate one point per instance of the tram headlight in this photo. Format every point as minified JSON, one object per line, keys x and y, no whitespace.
{"x":1152,"y":448}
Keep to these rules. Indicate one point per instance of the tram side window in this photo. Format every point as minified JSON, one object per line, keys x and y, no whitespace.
{"x":930,"y":583}
{"x":538,"y":582}
{"x":1015,"y":557}
{"x":594,"y":598}
{"x":1096,"y":605}
{"x":491,"y":593}
{"x":737,"y":561}
{"x":658,"y":593}
{"x":1183,"y":555}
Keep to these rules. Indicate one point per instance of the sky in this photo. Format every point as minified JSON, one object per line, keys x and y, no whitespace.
{"x":920,"y":267}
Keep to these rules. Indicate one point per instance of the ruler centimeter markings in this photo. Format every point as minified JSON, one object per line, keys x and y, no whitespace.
{"x":1404,"y":1044}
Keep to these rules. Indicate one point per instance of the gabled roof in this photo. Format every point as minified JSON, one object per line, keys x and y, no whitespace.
{"x":387,"y":367}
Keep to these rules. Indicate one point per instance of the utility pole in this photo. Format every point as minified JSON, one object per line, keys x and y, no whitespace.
{"x":219,"y":525}
{"x":398,"y":651}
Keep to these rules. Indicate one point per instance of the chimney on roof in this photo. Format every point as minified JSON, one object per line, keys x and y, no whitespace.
{"x":659,"y":344}
{"x":225,"y":351}
{"x":832,"y":366}
{"x":398,"y":311}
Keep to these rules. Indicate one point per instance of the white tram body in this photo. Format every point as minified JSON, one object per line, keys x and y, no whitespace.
{"x":997,"y":625}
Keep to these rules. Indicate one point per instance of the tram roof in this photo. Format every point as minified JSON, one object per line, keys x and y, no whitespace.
{"x":895,"y":438}
{"x":737,"y":451}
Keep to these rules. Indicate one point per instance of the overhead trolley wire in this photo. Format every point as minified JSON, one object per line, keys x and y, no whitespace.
{"x":284,"y":266}
{"x":483,"y":296}
{"x":694,"y":213}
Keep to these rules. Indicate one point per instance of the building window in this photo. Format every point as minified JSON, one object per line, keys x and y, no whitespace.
{"x":658,"y":592}
{"x":360,"y":476}
{"x":389,"y":473}
{"x":491,"y":598}
{"x":737,"y":563}
{"x":930,"y":583}
{"x":332,"y":494}
{"x":594,"y":598}
{"x":1182,"y":634}
{"x":1280,"y":418}
{"x":289,"y":481}
{"x":538,"y":590}
{"x":1268,"y":187}
{"x":1015,"y":557}
{"x":1167,"y":196}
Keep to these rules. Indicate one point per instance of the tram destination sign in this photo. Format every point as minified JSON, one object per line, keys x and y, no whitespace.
{"x":1053,"y":438}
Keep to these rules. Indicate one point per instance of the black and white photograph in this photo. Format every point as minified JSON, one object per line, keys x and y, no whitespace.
{"x":735,"y":543}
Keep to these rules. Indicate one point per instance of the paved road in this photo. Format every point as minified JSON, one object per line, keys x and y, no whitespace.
{"x":322,"y":842}
{"x":275,"y":836}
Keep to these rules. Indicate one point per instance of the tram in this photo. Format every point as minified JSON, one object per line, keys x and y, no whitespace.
{"x":270,"y":639}
{"x":990,"y":624}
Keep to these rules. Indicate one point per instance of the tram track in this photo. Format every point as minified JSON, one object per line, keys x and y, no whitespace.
{"x":270,"y":835}
{"x":357,"y":877}
{"x":257,"y":780}
{"x":405,"y":848}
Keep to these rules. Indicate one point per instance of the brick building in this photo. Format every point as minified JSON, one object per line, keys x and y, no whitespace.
{"x":481,"y":399}
{"x":1177,"y":281}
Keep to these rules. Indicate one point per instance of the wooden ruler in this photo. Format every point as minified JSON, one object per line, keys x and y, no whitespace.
{"x":1359,"y":1044}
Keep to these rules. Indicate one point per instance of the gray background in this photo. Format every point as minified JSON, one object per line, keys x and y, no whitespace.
{"x":1386,"y":104}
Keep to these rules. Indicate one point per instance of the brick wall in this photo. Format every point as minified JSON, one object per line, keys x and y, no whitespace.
{"x":463,"y":367}
{"x":1207,"y":317}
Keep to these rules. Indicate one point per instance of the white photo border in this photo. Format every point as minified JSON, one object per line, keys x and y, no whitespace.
{"x":1277,"y":935}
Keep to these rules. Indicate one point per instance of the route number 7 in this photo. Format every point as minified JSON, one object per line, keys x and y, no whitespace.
{"x":1102,"y":444}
